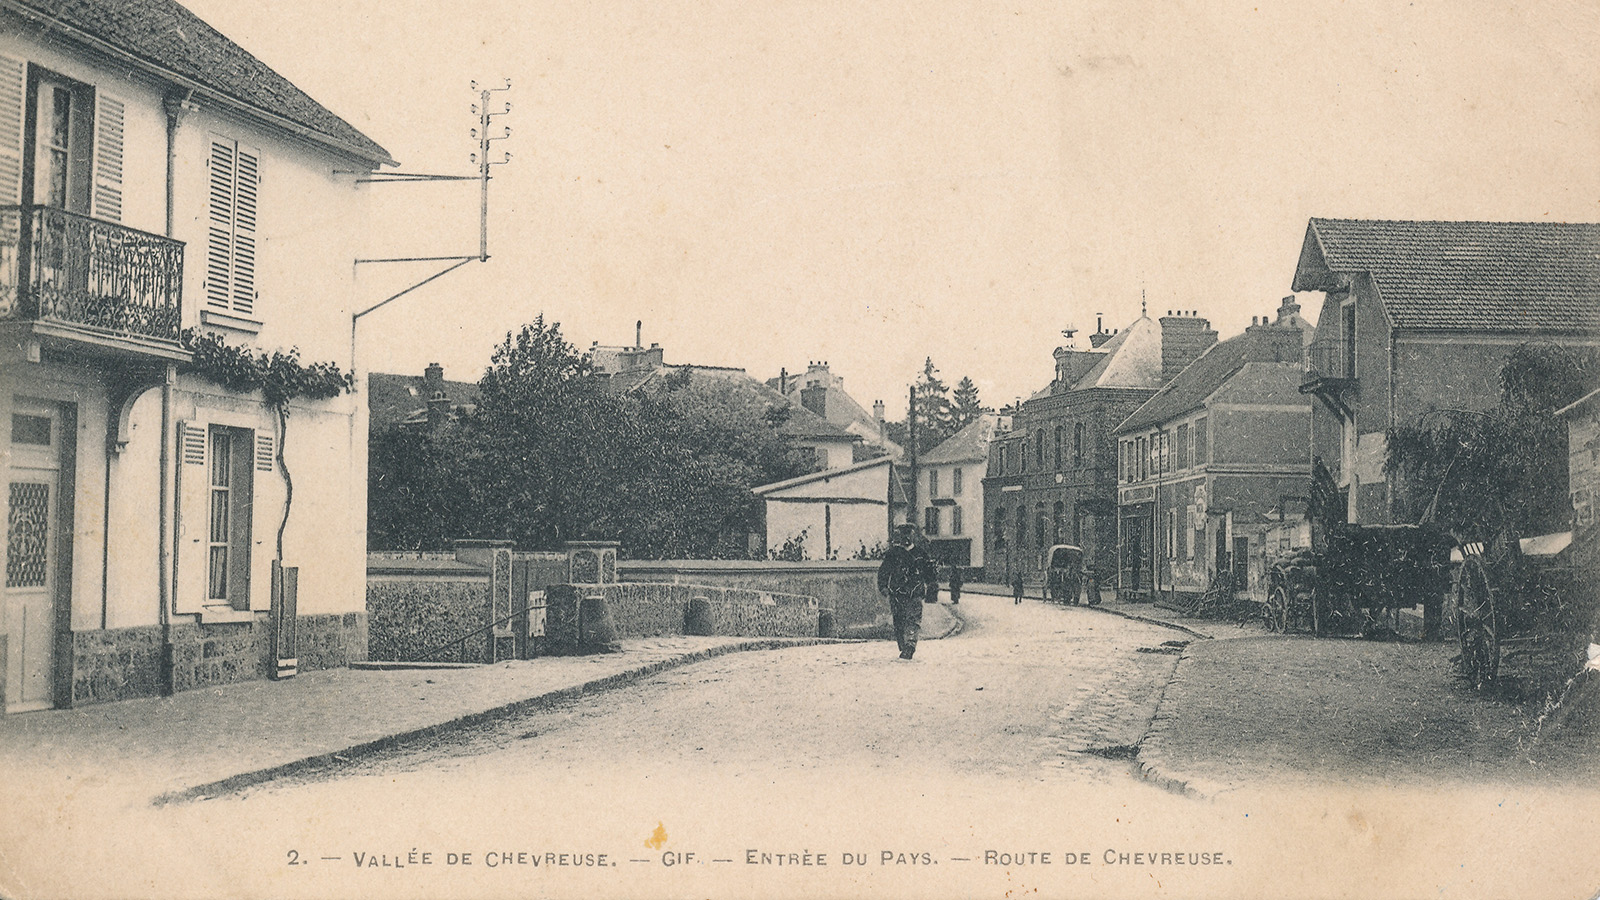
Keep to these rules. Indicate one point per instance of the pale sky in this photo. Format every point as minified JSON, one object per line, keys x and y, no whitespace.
{"x":770,"y":183}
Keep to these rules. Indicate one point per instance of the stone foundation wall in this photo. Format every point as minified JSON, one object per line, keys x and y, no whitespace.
{"x":117,"y":664}
{"x":124,"y":663}
{"x":211,"y":655}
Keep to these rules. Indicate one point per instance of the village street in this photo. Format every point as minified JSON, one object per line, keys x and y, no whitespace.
{"x":1006,"y":756}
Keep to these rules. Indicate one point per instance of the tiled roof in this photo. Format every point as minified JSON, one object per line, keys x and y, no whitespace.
{"x":169,"y":38}
{"x":1479,"y":276}
{"x":1215,"y":367}
{"x":967,"y":445}
{"x":801,"y":423}
{"x":393,"y":399}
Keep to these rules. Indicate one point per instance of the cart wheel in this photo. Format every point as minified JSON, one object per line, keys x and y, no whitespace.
{"x":1477,"y":623}
{"x":1276,"y":610}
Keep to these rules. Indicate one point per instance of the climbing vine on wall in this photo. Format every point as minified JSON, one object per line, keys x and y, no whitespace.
{"x":280,"y":375}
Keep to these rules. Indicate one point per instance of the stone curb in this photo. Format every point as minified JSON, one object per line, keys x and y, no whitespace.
{"x":1149,"y":620}
{"x":1151,"y":760}
{"x":318,"y":760}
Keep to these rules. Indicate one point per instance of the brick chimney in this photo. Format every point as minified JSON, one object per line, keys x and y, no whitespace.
{"x":1280,"y":340}
{"x":433,"y":389}
{"x":1184,"y":337}
{"x":877,"y":413}
{"x":815,"y":398}
{"x":1100,"y":335}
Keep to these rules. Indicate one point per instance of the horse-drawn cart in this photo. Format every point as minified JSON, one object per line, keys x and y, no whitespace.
{"x":1521,"y":597}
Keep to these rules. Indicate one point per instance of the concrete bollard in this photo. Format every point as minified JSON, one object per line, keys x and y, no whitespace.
{"x":699,"y":617}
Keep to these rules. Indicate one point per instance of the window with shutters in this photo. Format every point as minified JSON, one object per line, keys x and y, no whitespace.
{"x":232,"y":458}
{"x":234,"y":178}
{"x":60,"y":131}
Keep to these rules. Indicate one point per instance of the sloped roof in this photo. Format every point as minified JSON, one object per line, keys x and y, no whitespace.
{"x":1215,"y":368}
{"x":764,"y":489}
{"x":393,"y":399}
{"x":1132,"y":359}
{"x":967,"y":445}
{"x":802,"y":423}
{"x":1478,"y":276}
{"x":175,"y":42}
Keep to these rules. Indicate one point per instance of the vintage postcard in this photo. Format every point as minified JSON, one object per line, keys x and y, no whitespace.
{"x":622,"y":449}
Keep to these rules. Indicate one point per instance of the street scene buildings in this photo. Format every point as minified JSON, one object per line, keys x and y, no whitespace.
{"x":615,"y":618}
{"x":153,"y":186}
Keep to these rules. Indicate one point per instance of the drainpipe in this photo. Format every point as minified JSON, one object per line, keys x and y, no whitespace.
{"x":176,"y":103}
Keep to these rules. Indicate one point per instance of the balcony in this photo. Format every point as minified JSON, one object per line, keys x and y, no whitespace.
{"x":1330,"y":373}
{"x":83,"y":285}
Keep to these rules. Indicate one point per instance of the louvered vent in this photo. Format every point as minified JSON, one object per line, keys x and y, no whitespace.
{"x":192,"y":443}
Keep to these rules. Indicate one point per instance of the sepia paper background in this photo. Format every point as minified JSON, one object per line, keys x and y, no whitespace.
{"x":763,"y":184}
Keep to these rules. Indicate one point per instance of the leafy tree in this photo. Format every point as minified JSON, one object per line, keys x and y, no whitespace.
{"x":1505,"y":466}
{"x":551,"y":455}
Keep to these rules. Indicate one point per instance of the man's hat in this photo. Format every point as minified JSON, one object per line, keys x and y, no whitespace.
{"x":906,"y":532}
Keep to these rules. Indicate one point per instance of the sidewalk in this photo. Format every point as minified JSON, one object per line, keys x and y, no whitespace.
{"x":1264,"y":712}
{"x":205,"y":741}
{"x":1143,"y":612}
{"x":213,"y":739}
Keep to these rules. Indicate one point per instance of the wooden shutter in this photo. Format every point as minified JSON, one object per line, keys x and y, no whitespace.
{"x":108,"y":129}
{"x":264,"y":451}
{"x":219,"y":226}
{"x":13,"y":90}
{"x":248,"y":178}
{"x":189,"y":579}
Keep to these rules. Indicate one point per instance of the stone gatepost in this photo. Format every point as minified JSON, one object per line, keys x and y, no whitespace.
{"x":592,"y":562}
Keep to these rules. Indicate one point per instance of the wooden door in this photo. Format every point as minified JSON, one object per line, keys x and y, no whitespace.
{"x":33,"y":547}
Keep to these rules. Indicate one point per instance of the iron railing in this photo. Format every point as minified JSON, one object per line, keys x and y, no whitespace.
{"x":1328,"y":360}
{"x":59,"y":266}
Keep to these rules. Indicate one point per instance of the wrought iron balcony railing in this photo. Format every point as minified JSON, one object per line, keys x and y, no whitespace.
{"x":60,"y":267}
{"x":1329,"y":361}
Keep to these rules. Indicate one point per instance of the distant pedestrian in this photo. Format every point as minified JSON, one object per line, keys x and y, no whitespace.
{"x":955,"y":584}
{"x":907,"y":577}
{"x":1016,"y":588}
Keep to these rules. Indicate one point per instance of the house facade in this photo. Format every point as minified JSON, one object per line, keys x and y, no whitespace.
{"x":950,"y":492}
{"x":155,"y":177}
{"x":1053,"y":478}
{"x":1212,"y":469}
{"x":1419,"y":317}
{"x":835,"y":513}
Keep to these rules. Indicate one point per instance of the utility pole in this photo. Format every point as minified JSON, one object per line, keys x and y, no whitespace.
{"x":486,"y":142}
{"x":911,"y":492}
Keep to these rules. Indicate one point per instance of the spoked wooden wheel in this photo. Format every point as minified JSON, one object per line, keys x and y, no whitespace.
{"x":1477,"y":622}
{"x":1276,"y":610}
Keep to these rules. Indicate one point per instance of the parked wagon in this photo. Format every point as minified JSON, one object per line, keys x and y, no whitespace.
{"x":1523,"y":597}
{"x":1348,"y":581}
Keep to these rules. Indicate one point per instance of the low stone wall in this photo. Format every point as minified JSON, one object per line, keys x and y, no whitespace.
{"x":636,"y":610}
{"x":124,"y":663}
{"x":407,"y":618}
{"x":849,"y":588}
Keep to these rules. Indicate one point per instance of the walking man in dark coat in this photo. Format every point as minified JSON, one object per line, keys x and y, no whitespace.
{"x":907,"y":577}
